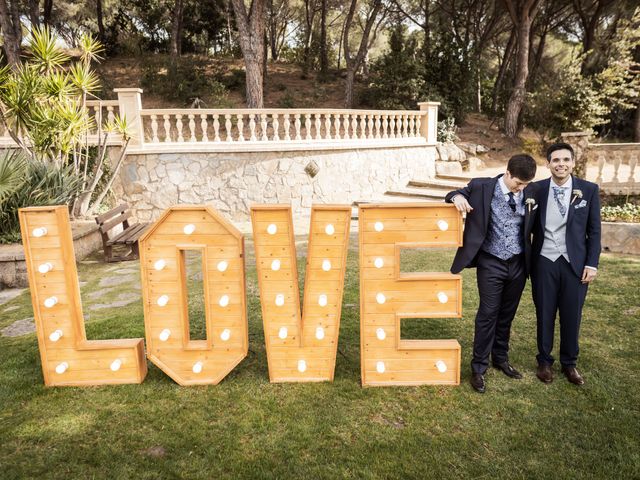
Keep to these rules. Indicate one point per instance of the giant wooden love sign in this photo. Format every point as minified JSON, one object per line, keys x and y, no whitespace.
{"x":301,"y":342}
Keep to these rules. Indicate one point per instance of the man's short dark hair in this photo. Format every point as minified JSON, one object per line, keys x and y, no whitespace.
{"x":522,"y":167}
{"x":559,"y":146}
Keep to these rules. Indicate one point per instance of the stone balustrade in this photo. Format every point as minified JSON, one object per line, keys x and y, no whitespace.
{"x":255,"y":130}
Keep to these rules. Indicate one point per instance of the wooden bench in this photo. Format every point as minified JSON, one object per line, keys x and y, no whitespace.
{"x":128,"y":237}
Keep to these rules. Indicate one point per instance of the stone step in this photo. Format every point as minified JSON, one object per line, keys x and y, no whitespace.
{"x":436,"y":184}
{"x":459,"y":179}
{"x":426,"y":194}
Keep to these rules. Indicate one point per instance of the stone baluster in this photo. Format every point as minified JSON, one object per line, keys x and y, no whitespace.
{"x":240,"y":118}
{"x":263,"y":125}
{"x":296,"y":125}
{"x":192,"y":127}
{"x":354,"y":127}
{"x":216,"y":127}
{"x":392,"y":126}
{"x":370,"y":126}
{"x":405,"y":126}
{"x":418,"y":126}
{"x":601,"y":162}
{"x":228,"y":126}
{"x":617,"y":161}
{"x":336,"y":125}
{"x":154,"y":129}
{"x":204,"y":127}
{"x":179,"y":127}
{"x":167,"y":127}
{"x":318,"y":126}
{"x":363,"y":125}
{"x":327,"y":126}
{"x":412,"y":125}
{"x":633,"y":162}
{"x":307,"y":126}
{"x":385,"y":126}
{"x":345,"y":122}
{"x":377,"y":125}
{"x":252,"y":128}
{"x":110,"y":115}
{"x":97,"y":116}
{"x":276,"y":127}
{"x":287,"y":125}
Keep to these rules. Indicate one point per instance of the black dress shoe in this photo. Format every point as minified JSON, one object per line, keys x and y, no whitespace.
{"x":572,"y":375}
{"x":508,"y":370}
{"x":477,"y":382}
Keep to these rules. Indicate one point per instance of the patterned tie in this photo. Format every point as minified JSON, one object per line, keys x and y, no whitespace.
{"x":512,"y":202}
{"x":558,"y":195}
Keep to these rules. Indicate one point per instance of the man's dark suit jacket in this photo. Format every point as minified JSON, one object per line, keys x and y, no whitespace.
{"x":583,"y":224}
{"x":479,"y":193}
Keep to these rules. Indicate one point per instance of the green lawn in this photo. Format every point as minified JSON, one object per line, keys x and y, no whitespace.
{"x":248,"y":428}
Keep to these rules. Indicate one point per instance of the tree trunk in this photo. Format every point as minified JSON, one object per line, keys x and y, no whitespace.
{"x":100,"y":19}
{"x":636,"y":130}
{"x":176,"y":20}
{"x":506,"y":60}
{"x":11,"y":31}
{"x":522,"y":20}
{"x":538,"y":59}
{"x":251,"y":34}
{"x":310,"y":13}
{"x":272,"y":32}
{"x":46,"y":12}
{"x":34,"y":13}
{"x":348,"y":87}
{"x":324,"y":55}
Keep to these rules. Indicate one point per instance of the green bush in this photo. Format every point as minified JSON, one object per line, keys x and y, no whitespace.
{"x":33,"y":183}
{"x":447,"y":130}
{"x":621,"y":213}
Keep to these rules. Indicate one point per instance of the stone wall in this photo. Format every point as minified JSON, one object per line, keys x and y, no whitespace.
{"x":619,"y":237}
{"x":232,"y":182}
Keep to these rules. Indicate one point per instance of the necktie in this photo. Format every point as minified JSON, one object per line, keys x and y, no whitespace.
{"x":512,"y":202}
{"x":558,"y":195}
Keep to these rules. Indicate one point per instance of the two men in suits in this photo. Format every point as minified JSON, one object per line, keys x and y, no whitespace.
{"x":497,"y":235}
{"x":565,"y":254}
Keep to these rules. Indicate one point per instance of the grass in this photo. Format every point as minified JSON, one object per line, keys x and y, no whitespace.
{"x":248,"y":428}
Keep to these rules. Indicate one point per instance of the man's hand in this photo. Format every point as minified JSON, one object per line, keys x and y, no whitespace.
{"x":588,"y":274}
{"x":461,"y":204}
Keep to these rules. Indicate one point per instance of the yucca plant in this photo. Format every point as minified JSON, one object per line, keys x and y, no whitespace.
{"x":43,"y":106}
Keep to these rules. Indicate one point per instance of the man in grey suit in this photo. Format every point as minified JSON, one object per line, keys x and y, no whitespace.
{"x":565,"y":254}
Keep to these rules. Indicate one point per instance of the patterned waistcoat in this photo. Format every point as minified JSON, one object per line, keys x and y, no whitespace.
{"x":504,"y":235}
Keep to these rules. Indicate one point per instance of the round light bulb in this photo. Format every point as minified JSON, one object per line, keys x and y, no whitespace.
{"x":322,"y":300}
{"x":163,"y":300}
{"x":160,"y":264}
{"x":39,"y":232}
{"x":379,"y":226}
{"x":378,"y":262}
{"x":225,"y":335}
{"x":50,"y":302}
{"x":272,"y":229}
{"x":164,"y":335}
{"x":55,"y":336}
{"x":381,"y":334}
{"x":116,"y":364}
{"x":62,"y":367}
{"x":224,"y":301}
{"x":441,"y":366}
{"x":320,"y":333}
{"x":275,"y":265}
{"x":329,"y":229}
{"x":442,"y":297}
{"x":283,"y":332}
{"x":380,"y":298}
{"x":380,"y":368}
{"x":189,"y":229}
{"x":443,"y":225}
{"x":45,"y":267}
{"x":223,"y":265}
{"x":279,"y":299}
{"x":326,"y":265}
{"x":197,"y":367}
{"x":302,"y":366}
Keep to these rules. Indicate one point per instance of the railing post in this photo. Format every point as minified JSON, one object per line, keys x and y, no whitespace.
{"x":429,"y":123}
{"x":130,"y":104}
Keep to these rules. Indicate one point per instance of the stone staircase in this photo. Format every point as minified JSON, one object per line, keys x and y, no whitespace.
{"x":432,"y":190}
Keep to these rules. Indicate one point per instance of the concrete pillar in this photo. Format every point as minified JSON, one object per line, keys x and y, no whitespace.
{"x":580,"y":143}
{"x":429,"y":125}
{"x":130,"y":104}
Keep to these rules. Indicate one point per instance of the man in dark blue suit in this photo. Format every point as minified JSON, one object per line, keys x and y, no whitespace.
{"x":566,"y":250}
{"x":497,"y":240}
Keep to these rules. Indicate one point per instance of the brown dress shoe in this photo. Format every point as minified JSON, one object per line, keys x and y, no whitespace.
{"x":572,"y":375}
{"x":544,"y":373}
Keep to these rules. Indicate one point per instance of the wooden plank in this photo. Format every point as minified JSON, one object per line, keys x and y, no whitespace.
{"x":114,"y":222}
{"x":114,"y":211}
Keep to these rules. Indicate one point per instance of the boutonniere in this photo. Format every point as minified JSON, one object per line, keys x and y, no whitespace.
{"x":577,"y":193}
{"x":530,"y":202}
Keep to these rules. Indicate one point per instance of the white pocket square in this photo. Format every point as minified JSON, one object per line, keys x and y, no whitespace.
{"x":582,"y":204}
{"x":535,"y":206}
